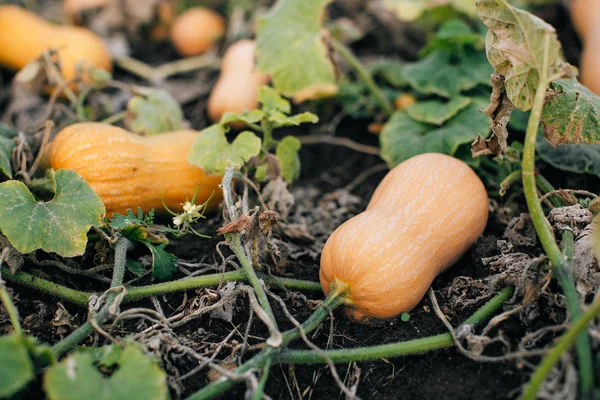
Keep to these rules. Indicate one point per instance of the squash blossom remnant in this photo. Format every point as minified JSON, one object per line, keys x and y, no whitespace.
{"x":191,"y":212}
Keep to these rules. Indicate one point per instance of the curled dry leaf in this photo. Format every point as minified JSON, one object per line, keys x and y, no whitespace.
{"x":236,"y":226}
{"x":499,"y":110}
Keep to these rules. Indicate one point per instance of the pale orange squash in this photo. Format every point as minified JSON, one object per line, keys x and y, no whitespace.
{"x":129,"y":171}
{"x":236,"y":89}
{"x":421,"y":219}
{"x":24,"y":37}
{"x":197,"y":30}
{"x":585,"y":15}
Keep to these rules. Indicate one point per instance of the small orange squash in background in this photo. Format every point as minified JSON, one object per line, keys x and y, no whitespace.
{"x":129,"y":171}
{"x":585,"y":15}
{"x":422,"y":218}
{"x":196,"y":31}
{"x":24,"y":37}
{"x":236,"y":89}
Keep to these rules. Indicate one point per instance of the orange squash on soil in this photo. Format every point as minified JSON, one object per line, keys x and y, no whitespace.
{"x":422,"y":218}
{"x":237,"y":87}
{"x":129,"y":171}
{"x":197,"y":30}
{"x":24,"y":37}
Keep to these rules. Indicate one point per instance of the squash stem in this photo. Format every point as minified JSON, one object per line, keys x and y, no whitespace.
{"x":415,"y":346}
{"x":79,"y":335}
{"x":13,"y":314}
{"x":258,"y":393}
{"x":363,"y":74}
{"x":236,"y":246}
{"x":335,"y":299}
{"x":135,"y":293}
{"x":557,"y":261}
{"x":547,"y":187}
{"x":268,"y":353}
{"x":564,"y":343}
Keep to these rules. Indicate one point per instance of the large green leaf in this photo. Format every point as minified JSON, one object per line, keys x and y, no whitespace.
{"x":402,"y":137}
{"x":59,"y":225}
{"x":437,"y":112}
{"x":77,"y":378}
{"x":447,"y":75}
{"x":152,"y":111}
{"x":579,"y":158}
{"x":290,"y":48}
{"x":6,"y":147}
{"x":571,"y":114}
{"x":515,"y":46}
{"x":213,"y":153}
{"x":16,"y":367}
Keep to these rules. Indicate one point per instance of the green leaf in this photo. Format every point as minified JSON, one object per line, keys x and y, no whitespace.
{"x":437,"y":73}
{"x":437,"y":112}
{"x":248,"y":117}
{"x":405,"y":317}
{"x":123,"y":222}
{"x":402,"y":137}
{"x":280,"y":119}
{"x":6,"y":147}
{"x":163,"y":262}
{"x":515,"y":46}
{"x":392,"y":71}
{"x":571,"y":114}
{"x":77,"y":378}
{"x":59,"y":225}
{"x":7,"y":132}
{"x":291,"y":49}
{"x":135,"y":267}
{"x":453,"y":35}
{"x":16,"y":369}
{"x":578,"y":158}
{"x":287,"y":153}
{"x":271,"y":100}
{"x":410,"y":10}
{"x":214,"y":154}
{"x":152,"y":111}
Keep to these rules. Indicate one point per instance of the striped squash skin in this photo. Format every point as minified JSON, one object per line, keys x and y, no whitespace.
{"x":129,"y":171}
{"x":422,"y":218}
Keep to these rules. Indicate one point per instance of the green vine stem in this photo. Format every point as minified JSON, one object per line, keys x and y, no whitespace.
{"x":79,"y":334}
{"x":136,"y":293}
{"x":563,"y":344}
{"x":546,"y":238}
{"x":258,"y":393}
{"x":45,"y":286}
{"x":363,"y":74}
{"x":238,"y":249}
{"x":547,"y":187}
{"x":395,"y":349}
{"x":509,"y":180}
{"x":13,"y":314}
{"x":333,"y":301}
{"x":219,"y":387}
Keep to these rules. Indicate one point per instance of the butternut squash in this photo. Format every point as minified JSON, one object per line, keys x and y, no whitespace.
{"x":129,"y":171}
{"x":236,"y":89}
{"x":585,"y":15}
{"x":422,"y":218}
{"x":24,"y":37}
{"x":197,"y":30}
